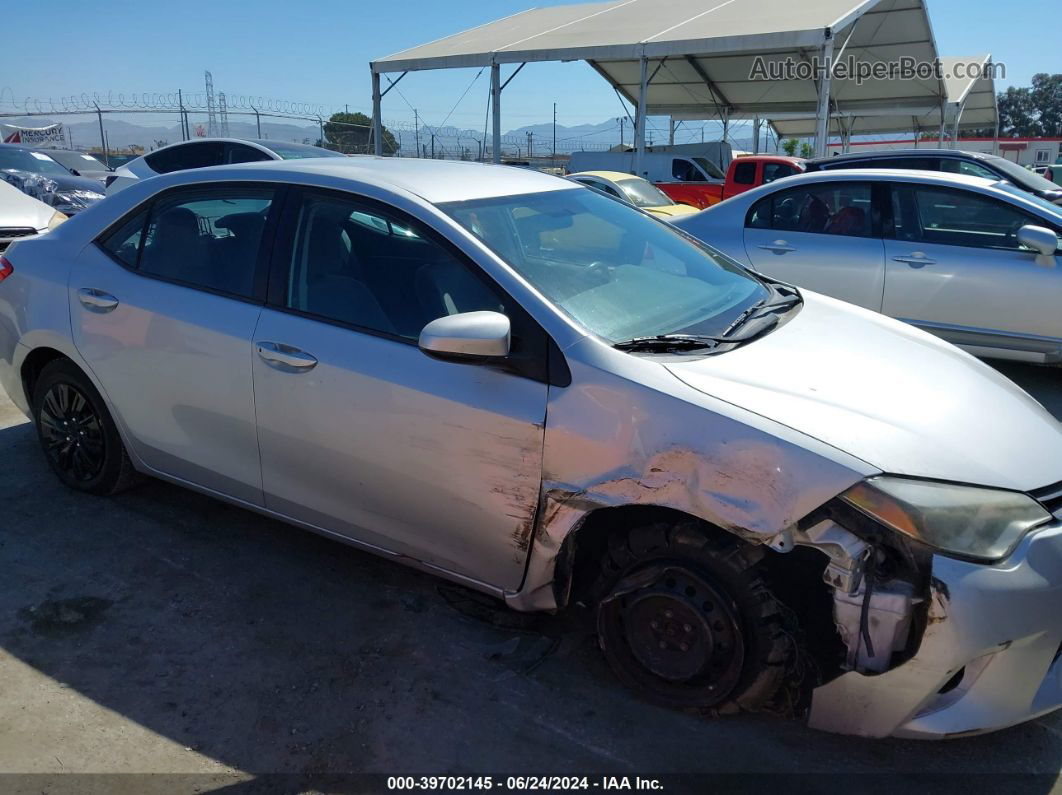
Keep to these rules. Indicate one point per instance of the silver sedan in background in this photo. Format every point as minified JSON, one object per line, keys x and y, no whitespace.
{"x":537,"y":391}
{"x":970,"y":260}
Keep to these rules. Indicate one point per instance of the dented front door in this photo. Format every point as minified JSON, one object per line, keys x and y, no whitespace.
{"x":375,"y":441}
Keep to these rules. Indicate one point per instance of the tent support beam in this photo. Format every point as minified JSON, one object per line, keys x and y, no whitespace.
{"x":377,"y":122}
{"x":717,"y":95}
{"x":639,"y":119}
{"x":495,"y":97}
{"x":756,"y":136}
{"x":822,"y":118}
{"x":940,"y":141}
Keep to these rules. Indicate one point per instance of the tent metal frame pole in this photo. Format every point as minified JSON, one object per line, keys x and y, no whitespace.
{"x":955,"y":124}
{"x":943,"y":122}
{"x":756,"y":135}
{"x":639,"y":119}
{"x":822,"y":116}
{"x":495,"y":95}
{"x":377,"y":122}
{"x":671,"y":131}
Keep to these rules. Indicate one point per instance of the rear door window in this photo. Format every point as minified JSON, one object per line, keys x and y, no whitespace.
{"x":200,"y":154}
{"x":241,"y":153}
{"x":745,"y":174}
{"x":208,"y":238}
{"x":833,"y":208}
{"x":955,"y":166}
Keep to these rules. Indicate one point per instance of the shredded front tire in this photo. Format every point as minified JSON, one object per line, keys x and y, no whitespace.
{"x":685,"y":618}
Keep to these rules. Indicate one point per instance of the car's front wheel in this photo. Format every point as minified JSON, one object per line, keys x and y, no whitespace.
{"x":80,"y":440}
{"x":685,"y":618}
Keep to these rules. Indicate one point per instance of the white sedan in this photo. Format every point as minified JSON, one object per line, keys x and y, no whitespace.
{"x":23,"y":216}
{"x":968,"y":259}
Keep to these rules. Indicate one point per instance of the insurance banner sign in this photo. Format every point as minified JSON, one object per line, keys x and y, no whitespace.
{"x":53,"y":134}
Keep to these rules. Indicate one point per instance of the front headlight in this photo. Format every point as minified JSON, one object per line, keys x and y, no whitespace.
{"x":56,"y":219}
{"x":967,"y":521}
{"x":77,"y":198}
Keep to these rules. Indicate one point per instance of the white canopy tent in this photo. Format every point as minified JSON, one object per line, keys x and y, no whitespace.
{"x":694,"y":59}
{"x":970,"y":104}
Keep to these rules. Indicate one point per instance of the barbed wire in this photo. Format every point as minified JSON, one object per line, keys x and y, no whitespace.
{"x":160,"y":101}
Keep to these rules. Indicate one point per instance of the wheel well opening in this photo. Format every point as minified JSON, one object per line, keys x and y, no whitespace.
{"x":32,"y":367}
{"x":794,"y":579}
{"x":587,"y":544}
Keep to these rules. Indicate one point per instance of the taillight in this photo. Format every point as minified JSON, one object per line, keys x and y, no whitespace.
{"x":6,"y":268}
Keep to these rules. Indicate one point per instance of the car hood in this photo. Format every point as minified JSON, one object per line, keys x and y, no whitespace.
{"x":894,"y":396}
{"x":17,"y":210}
{"x":70,"y":182}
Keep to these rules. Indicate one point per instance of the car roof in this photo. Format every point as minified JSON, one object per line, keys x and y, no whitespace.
{"x":909,"y":152}
{"x":436,"y":181}
{"x":892,"y":174}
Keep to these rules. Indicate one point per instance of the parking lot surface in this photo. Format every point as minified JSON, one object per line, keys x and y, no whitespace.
{"x":164,"y":632}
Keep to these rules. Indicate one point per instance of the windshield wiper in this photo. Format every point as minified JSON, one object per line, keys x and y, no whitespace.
{"x":668,"y":343}
{"x":765,"y":311}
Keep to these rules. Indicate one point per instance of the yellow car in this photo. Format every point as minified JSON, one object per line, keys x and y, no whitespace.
{"x":633,"y":190}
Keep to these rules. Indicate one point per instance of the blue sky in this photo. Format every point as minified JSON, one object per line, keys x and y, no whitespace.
{"x":318,"y":52}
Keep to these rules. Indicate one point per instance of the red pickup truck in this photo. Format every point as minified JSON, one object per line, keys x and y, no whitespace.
{"x":744,"y":173}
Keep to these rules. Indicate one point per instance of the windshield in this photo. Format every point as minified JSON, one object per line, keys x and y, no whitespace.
{"x":299,"y":151}
{"x":1049,"y":207}
{"x":614,"y":270}
{"x":25,"y":160}
{"x":643,"y":194}
{"x":1022,"y":176}
{"x":78,"y":161}
{"x":709,"y":168}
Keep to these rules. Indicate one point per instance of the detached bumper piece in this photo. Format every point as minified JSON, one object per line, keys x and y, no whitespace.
{"x":989,"y":657}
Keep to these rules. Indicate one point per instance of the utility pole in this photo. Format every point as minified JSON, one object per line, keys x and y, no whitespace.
{"x":180,"y":104}
{"x":554,"y":155}
{"x":416,"y":128}
{"x":433,"y":146}
{"x":103,"y":137}
{"x":530,"y":145}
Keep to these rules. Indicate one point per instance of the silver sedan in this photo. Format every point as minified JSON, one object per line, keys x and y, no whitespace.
{"x":970,"y":260}
{"x":529,"y":388}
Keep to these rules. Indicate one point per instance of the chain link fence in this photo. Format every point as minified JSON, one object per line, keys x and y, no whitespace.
{"x":119,"y":134}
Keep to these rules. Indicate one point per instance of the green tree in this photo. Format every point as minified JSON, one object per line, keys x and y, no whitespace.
{"x":806,"y":150}
{"x":1046,"y":97}
{"x":351,"y":133}
{"x":1017,"y":115}
{"x":789,"y":146}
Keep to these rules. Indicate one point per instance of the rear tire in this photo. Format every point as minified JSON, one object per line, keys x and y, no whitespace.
{"x":685,"y":618}
{"x":79,"y":439}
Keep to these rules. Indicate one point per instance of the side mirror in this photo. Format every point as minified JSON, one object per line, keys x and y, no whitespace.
{"x":468,"y":336}
{"x":1041,"y":240}
{"x":75,"y":172}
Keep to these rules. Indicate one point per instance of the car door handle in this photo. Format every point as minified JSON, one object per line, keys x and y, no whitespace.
{"x":285,"y":355}
{"x":96,"y":300}
{"x":916,"y":260}
{"x":778,"y":247}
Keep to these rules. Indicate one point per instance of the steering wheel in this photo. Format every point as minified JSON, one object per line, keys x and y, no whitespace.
{"x":600,"y":270}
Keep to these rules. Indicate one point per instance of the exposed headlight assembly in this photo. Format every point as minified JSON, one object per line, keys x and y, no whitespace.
{"x":966,"y":521}
{"x":76,"y":199}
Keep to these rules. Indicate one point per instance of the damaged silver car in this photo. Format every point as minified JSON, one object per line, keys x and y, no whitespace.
{"x":552,"y":398}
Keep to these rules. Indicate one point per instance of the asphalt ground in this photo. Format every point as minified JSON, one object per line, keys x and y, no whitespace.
{"x":170,"y":642}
